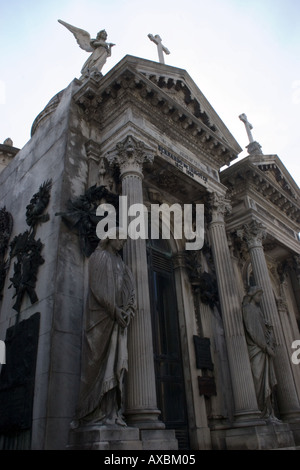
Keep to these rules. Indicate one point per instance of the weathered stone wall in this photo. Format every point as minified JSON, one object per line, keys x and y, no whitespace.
{"x":54,"y":152}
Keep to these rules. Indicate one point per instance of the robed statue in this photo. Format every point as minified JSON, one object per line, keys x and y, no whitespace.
{"x":109,"y":310}
{"x":99,"y":48}
{"x":261,"y":348}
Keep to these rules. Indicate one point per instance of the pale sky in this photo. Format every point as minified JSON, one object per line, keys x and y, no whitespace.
{"x":244,"y":55}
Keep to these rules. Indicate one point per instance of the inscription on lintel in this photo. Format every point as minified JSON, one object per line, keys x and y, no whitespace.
{"x":182,"y":165}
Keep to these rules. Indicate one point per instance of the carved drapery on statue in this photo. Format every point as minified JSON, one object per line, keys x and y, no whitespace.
{"x":99,"y":48}
{"x":81,"y":217}
{"x":26,"y":250}
{"x":110,"y":306}
{"x":260,"y":342}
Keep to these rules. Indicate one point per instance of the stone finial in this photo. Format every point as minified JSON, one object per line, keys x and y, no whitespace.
{"x":8,"y":142}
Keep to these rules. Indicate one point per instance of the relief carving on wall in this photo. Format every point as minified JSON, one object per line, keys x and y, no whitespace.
{"x":26,"y":250}
{"x":81,"y":217}
{"x":203,"y":282}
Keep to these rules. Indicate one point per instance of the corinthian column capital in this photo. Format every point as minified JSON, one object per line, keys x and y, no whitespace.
{"x":130,"y":154}
{"x":219,"y":206}
{"x":253,"y":233}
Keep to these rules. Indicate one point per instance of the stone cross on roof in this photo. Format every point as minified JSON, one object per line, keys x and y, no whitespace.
{"x":160,"y":47}
{"x":253,"y":146}
{"x":248,"y":126}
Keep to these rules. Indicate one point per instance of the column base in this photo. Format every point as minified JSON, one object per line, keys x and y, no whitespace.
{"x":144,"y":419}
{"x":265,"y":437}
{"x":249,"y":418}
{"x":292,"y":416}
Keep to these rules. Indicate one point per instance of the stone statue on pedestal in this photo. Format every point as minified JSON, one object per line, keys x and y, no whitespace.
{"x":110,"y":307}
{"x":259,"y":337}
{"x":99,"y":47}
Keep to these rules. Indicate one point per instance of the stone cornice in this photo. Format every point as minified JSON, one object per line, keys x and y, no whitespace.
{"x":92,"y":96}
{"x":154,"y":141}
{"x":247,"y":176}
{"x":274,"y":164}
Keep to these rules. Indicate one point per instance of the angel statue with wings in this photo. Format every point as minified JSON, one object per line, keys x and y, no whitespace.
{"x":99,"y":47}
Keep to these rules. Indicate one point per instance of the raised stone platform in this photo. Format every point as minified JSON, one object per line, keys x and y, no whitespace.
{"x":104,"y":438}
{"x":159,"y":439}
{"x":265,"y":437}
{"x":117,"y":438}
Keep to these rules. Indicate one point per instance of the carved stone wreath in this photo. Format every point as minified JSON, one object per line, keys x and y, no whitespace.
{"x":38,"y":203}
{"x":81,"y":217}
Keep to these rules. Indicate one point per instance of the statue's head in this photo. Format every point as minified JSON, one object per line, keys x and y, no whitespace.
{"x":102,"y":34}
{"x":255,"y":293}
{"x":115,"y":237}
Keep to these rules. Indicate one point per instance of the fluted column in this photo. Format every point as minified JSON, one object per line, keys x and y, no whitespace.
{"x":287,"y":395}
{"x":241,"y":376}
{"x":141,"y":411}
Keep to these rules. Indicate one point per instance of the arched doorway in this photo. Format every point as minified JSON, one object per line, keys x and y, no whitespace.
{"x":166,"y":340}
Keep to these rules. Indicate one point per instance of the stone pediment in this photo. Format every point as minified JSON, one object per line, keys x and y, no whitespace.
{"x":276,"y":172}
{"x":179,"y":91}
{"x":178,"y":84}
{"x":167,"y":94}
{"x":266,"y":176}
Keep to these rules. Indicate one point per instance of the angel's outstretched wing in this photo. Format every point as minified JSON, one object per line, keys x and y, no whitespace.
{"x":82,"y":37}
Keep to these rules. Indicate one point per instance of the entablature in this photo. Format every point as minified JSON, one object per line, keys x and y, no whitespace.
{"x":251,"y":178}
{"x":194,"y":123}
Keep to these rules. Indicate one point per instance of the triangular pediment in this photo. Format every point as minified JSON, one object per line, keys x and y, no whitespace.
{"x":273,"y":168}
{"x":167,"y":96}
{"x":178,"y":84}
{"x":265,"y":179}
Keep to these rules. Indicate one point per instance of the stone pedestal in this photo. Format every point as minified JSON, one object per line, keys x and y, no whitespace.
{"x":268,"y":437}
{"x":156,"y":439}
{"x":104,"y":438}
{"x":95,"y":437}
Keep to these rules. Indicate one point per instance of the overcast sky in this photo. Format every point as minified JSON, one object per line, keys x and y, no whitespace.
{"x":244,"y":55}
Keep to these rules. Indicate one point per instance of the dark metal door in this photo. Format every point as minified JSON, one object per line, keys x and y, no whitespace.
{"x":167,"y":349}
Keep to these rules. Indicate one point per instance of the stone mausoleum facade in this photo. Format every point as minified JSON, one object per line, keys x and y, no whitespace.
{"x":145,"y":130}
